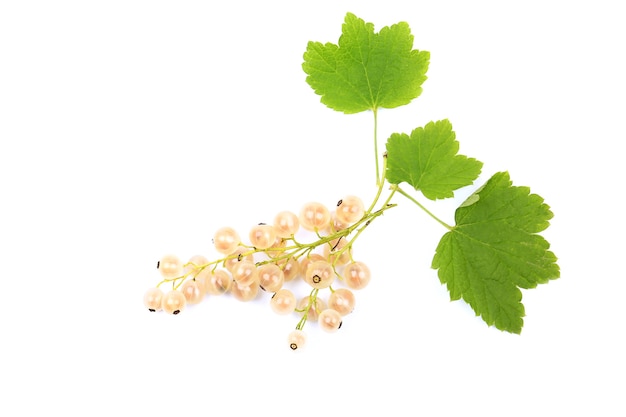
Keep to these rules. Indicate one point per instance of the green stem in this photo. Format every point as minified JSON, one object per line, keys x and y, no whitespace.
{"x":401,"y":191}
{"x":312,"y":303}
{"x":393,"y":190}
{"x":378,"y":182}
{"x":381,"y":183}
{"x":360,"y":230}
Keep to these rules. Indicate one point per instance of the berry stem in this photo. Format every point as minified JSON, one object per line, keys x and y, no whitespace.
{"x":312,"y":302}
{"x":293,"y":250}
{"x":368,"y":220}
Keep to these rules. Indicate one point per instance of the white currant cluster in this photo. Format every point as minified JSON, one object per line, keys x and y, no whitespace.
{"x":273,"y":258}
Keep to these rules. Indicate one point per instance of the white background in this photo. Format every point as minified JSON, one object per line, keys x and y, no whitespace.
{"x":131,"y":129}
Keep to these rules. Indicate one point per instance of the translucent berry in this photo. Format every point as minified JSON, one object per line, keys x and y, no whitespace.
{"x":226,"y":240}
{"x":237,"y":256}
{"x":170,"y":266}
{"x":245,"y":292}
{"x":335,"y":224}
{"x":314,"y":216}
{"x":283,"y":302}
{"x":245,"y":273}
{"x":319,"y":274}
{"x":152,"y":299}
{"x":342,"y":300}
{"x":356,"y":275}
{"x":350,"y":209}
{"x":271,"y":277}
{"x":215,"y":282}
{"x":262,"y":236}
{"x":286,"y":224}
{"x":305,"y":262}
{"x":290,"y":267}
{"x":329,"y":320}
{"x":173,"y":302}
{"x":193,"y":291}
{"x":296,"y":339}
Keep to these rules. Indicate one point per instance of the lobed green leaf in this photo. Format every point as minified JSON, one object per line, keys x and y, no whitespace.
{"x":366,"y":70}
{"x":494,"y":250}
{"x":428,"y":160}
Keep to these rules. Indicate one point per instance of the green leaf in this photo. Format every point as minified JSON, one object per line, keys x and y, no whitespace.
{"x":494,"y":250}
{"x":428,"y":161}
{"x":366,"y":70}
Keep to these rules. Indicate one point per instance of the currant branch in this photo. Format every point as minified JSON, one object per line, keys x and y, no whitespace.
{"x":497,"y":225}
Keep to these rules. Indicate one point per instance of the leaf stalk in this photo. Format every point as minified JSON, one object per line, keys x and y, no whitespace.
{"x":395,"y":187}
{"x":379,"y":182}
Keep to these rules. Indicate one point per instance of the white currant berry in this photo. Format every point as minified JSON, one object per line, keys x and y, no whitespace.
{"x":173,"y":302}
{"x":245,"y":273}
{"x":304,"y":263}
{"x":356,"y":275}
{"x":296,"y":339}
{"x":215,"y":282}
{"x":262,"y":236}
{"x":350,"y":209}
{"x":245,"y":292}
{"x":329,"y":320}
{"x":314,"y":216}
{"x":319,"y":274}
{"x":237,"y":256}
{"x":170,"y":266}
{"x":201,"y":278}
{"x":152,"y":299}
{"x":193,"y":291}
{"x":290,"y":267}
{"x":342,"y":300}
{"x":283,"y":302}
{"x":286,"y":224}
{"x":226,"y":240}
{"x":271,"y":277}
{"x":335,"y":224}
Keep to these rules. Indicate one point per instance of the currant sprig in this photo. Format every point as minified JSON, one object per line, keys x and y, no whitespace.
{"x":491,"y":252}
